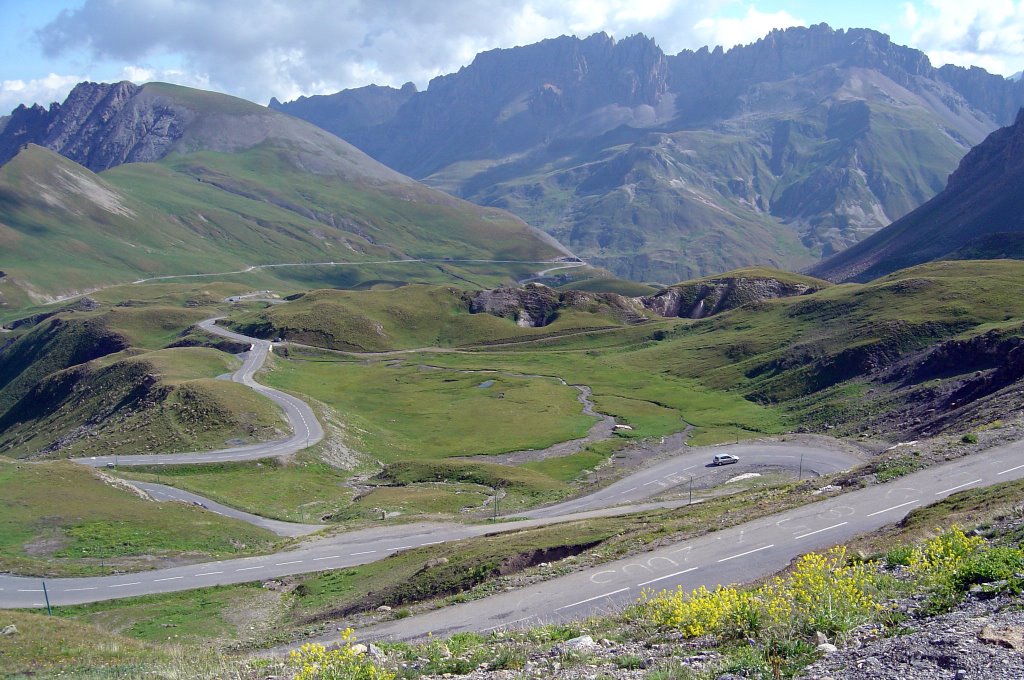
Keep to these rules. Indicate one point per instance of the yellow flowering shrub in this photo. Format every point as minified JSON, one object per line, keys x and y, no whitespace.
{"x":938,"y":559}
{"x":315,"y":662}
{"x":822,"y":593}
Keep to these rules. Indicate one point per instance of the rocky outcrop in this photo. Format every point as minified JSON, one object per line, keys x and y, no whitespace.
{"x":531,"y":306}
{"x":103,"y":125}
{"x":696,"y":300}
{"x":536,"y":305}
{"x":99,"y":126}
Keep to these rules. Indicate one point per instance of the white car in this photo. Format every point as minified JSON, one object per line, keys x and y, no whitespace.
{"x":724,"y":459}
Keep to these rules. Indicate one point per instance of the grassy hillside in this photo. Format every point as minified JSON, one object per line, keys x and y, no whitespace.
{"x":410,"y":317}
{"x":210,"y":212}
{"x":63,"y":518}
{"x":840,"y":356}
{"x":98,"y":378}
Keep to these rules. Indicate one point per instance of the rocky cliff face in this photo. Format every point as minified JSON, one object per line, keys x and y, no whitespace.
{"x":696,"y":300}
{"x":536,"y":305}
{"x":98,"y":126}
{"x":666,"y":168}
{"x":979,"y":215}
{"x":102,"y":125}
{"x":510,"y":100}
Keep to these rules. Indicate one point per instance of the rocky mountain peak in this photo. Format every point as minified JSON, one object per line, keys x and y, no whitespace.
{"x":1001,"y":155}
{"x":99,"y":125}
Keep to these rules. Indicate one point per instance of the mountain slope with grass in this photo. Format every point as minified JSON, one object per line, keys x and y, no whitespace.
{"x":227,"y":185}
{"x":936,"y":348}
{"x":979,"y":215}
{"x":669,"y":167}
{"x":98,"y":378}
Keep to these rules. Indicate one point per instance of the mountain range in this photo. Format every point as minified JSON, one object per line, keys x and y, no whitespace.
{"x":666,"y":167}
{"x":135,"y":181}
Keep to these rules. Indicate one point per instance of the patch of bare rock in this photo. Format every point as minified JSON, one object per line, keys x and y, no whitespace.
{"x":982,"y":639}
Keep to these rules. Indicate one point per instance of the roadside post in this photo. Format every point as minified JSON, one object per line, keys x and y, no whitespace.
{"x":46,"y":596}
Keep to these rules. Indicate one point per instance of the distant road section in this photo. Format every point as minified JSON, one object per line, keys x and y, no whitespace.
{"x":306,"y":429}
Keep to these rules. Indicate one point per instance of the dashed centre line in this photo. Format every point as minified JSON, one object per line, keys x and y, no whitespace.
{"x":811,"y":533}
{"x":258,"y":566}
{"x":169,"y":578}
{"x":901,"y":505}
{"x":958,"y":486}
{"x":281,"y":564}
{"x":1010,"y":470}
{"x":125,"y":585}
{"x":329,"y":557}
{"x":75,"y":590}
{"x":365,"y":552}
{"x":749,"y":552}
{"x":591,"y":599}
{"x":662,"y":578}
{"x":210,"y":573}
{"x":506,"y":625}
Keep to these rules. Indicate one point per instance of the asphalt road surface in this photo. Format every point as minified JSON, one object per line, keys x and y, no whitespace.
{"x":306,"y":429}
{"x":738,"y":554}
{"x":163,"y":493}
{"x":677,"y":471}
{"x":735,"y":555}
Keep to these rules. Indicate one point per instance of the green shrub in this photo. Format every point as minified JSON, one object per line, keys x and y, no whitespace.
{"x":993,"y":564}
{"x":969,"y":438}
{"x":899,"y":556}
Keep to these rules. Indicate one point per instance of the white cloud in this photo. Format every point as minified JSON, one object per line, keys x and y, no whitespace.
{"x":910,"y":15}
{"x":50,"y":88}
{"x":265,"y":48}
{"x":988,"y":34}
{"x":730,"y":31}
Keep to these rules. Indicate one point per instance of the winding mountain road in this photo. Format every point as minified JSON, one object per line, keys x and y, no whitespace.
{"x":306,"y":429}
{"x":738,"y":554}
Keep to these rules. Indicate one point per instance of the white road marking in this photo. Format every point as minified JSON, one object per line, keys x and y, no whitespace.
{"x":123,"y":585}
{"x":662,"y":578}
{"x":656,"y":481}
{"x":281,"y":564}
{"x":437,"y":543}
{"x":365,"y":552}
{"x":1010,"y":470}
{"x":591,"y":599}
{"x":75,"y":590}
{"x":329,"y":557}
{"x":506,"y":625}
{"x":169,"y":578}
{"x":401,"y":547}
{"x":627,"y":491}
{"x":258,"y":566}
{"x":210,"y":573}
{"x":959,"y":486}
{"x":732,"y":557}
{"x":30,"y":590}
{"x":901,"y":505}
{"x":811,"y":533}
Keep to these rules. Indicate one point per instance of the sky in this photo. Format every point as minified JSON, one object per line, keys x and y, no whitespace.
{"x":258,"y":49}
